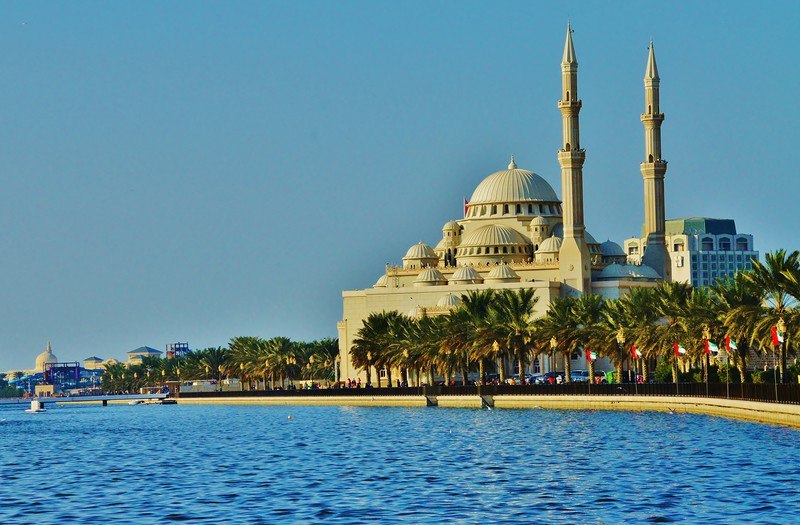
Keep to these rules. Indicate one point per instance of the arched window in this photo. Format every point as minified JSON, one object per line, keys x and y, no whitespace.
{"x":505,"y":249}
{"x":650,"y":158}
{"x":567,"y":96}
{"x":649,"y":109}
{"x":530,"y":208}
{"x":566,"y":147}
{"x":494,"y":209}
{"x":505,"y":209}
{"x":496,"y":249}
{"x":519,"y":209}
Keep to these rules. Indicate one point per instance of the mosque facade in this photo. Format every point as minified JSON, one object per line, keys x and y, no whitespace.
{"x":517,"y":233}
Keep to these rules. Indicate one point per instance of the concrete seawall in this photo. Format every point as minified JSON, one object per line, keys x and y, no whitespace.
{"x":772,"y":413}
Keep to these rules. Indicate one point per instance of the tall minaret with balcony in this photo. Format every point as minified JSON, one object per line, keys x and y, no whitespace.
{"x":574,"y":262}
{"x":653,"y":170}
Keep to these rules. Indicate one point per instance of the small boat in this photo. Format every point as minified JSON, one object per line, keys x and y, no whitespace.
{"x":136,"y":401}
{"x":37,"y":407}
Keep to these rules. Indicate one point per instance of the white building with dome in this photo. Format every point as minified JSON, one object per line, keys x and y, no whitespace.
{"x":517,"y":233}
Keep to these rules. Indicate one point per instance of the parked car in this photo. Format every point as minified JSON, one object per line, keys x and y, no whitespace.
{"x":579,"y":376}
{"x":546,"y":377}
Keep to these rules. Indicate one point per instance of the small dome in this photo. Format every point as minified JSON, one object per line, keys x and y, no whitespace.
{"x":538,"y":221}
{"x":451,"y":225}
{"x":495,"y":235}
{"x":628,"y":271}
{"x":611,"y":249}
{"x":550,"y":245}
{"x":513,"y":185}
{"x":383,"y":282}
{"x":430,"y":277}
{"x":421,"y":251}
{"x":466,"y":275}
{"x":449,"y":300}
{"x":502,"y":274}
{"x":644,"y":271}
{"x":45,"y":358}
{"x":614,"y":271}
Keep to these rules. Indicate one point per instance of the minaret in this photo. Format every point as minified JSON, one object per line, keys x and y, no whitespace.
{"x":653,"y":170}
{"x":574,"y":263}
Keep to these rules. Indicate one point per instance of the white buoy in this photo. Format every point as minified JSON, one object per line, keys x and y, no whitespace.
{"x":36,"y":407}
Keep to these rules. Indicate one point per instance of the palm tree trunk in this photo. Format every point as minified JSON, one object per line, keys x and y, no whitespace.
{"x":591,"y":371}
{"x":741,"y":364}
{"x":645,"y":371}
{"x":501,"y":369}
{"x":618,"y":366}
{"x":567,"y":367}
{"x":464,"y":376}
{"x":706,"y":365}
{"x":521,"y":359}
{"x":378,"y":376}
{"x":481,"y":372}
{"x":416,"y":375}
{"x":783,"y":363}
{"x":675,"y":372}
{"x":369,"y":374}
{"x":430,"y":376}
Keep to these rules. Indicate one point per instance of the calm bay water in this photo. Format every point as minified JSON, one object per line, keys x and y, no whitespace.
{"x":252,"y":464}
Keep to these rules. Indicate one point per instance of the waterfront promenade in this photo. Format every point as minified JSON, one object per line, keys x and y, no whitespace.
{"x":747,"y":402}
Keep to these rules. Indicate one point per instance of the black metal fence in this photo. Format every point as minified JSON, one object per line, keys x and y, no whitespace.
{"x":748,"y":391}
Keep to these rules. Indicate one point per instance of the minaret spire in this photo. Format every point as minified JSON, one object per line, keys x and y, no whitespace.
{"x":653,"y":170}
{"x":574,"y":263}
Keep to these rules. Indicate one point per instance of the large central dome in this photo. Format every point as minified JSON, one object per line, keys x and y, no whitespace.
{"x":511,"y":186}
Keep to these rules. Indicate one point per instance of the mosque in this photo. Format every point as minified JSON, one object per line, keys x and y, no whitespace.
{"x":517,"y":233}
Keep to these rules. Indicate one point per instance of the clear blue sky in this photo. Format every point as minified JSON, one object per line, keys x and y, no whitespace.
{"x":202,"y":170}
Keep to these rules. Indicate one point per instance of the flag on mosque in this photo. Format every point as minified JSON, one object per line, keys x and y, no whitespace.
{"x":711,"y":347}
{"x":591,"y":355}
{"x":466,"y":206}
{"x":730,"y":344}
{"x":635,"y":352}
{"x":777,"y":336}
{"x":679,"y":349}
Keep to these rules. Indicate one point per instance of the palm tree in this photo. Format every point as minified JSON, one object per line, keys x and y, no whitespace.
{"x":739,"y":307}
{"x":771,"y":278}
{"x":669,"y":303}
{"x":369,"y":345}
{"x":470,"y":327}
{"x":560,"y":326}
{"x":511,"y":318}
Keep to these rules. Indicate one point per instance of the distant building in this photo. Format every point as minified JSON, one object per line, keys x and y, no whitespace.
{"x":93,"y":363}
{"x":701,"y":250}
{"x":45,"y":358}
{"x":135,"y":356}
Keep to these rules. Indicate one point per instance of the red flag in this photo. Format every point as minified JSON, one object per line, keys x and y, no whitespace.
{"x":679,"y":349}
{"x":708,"y":350}
{"x":635,"y":352}
{"x":777,"y":337}
{"x":727,"y":343}
{"x":466,"y":206}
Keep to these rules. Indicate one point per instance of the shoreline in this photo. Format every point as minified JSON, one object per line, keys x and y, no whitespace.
{"x":754,"y":411}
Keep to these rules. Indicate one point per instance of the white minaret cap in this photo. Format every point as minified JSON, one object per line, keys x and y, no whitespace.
{"x":512,"y":165}
{"x":652,"y":69}
{"x":569,"y":49}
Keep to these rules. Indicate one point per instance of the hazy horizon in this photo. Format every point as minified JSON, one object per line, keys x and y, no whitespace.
{"x":190,"y":171}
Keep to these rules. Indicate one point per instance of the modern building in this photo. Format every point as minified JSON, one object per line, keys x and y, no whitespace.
{"x":701,"y":250}
{"x":517,"y":233}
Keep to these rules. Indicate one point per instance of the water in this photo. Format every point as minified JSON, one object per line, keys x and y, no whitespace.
{"x":252,"y":464}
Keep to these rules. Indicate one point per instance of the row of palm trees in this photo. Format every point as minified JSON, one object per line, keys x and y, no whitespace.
{"x":647,"y":326}
{"x":255,"y":361}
